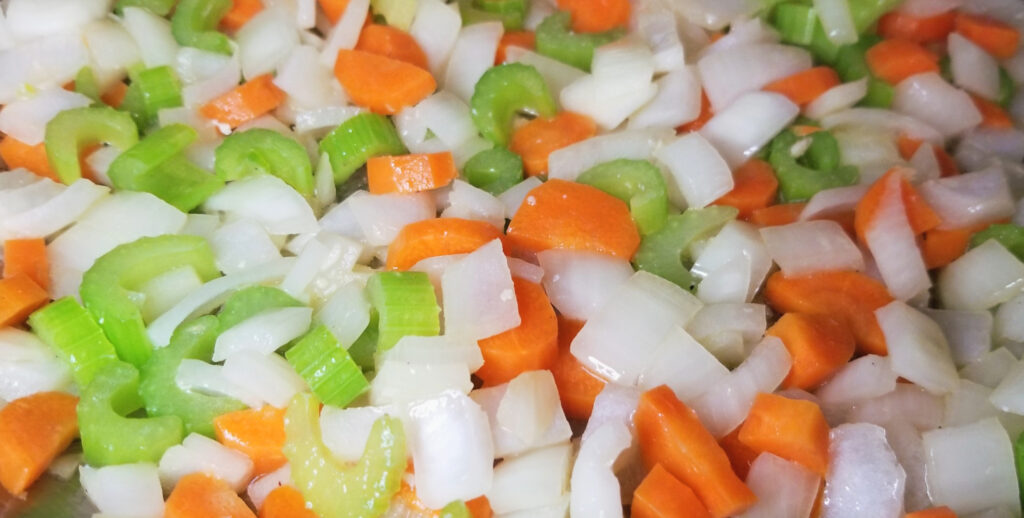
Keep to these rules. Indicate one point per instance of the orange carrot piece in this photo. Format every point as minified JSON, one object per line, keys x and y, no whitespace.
{"x":661,"y":495}
{"x":19,"y":297}
{"x":241,"y":12}
{"x":285,"y":502}
{"x":849,"y":297}
{"x":819,"y":346}
{"x":793,"y":429}
{"x":755,"y":188}
{"x":258,"y":433}
{"x":532,"y":345}
{"x":480,"y":507}
{"x":114,"y":95}
{"x":537,"y":139}
{"x":992,"y":115}
{"x":523,"y":39}
{"x":934,"y":512}
{"x":199,"y":495}
{"x":410,"y":173}
{"x":382,"y":84}
{"x":775,"y":215}
{"x":705,"y":115}
{"x":805,"y":86}
{"x":895,"y":60}
{"x":997,"y":38}
{"x":333,"y":9}
{"x":920,"y":29}
{"x":440,"y":236}
{"x":921,"y":216}
{"x":16,"y":153}
{"x":391,"y":42}
{"x":740,"y":455}
{"x":27,"y":256}
{"x":940,"y":247}
{"x":577,"y":387}
{"x":245,"y":102}
{"x":573,"y":216}
{"x":802,"y":130}
{"x":596,"y":15}
{"x":34,"y":430}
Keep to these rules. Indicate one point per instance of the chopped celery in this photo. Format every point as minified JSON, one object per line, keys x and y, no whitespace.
{"x":365,"y":347}
{"x":1007,"y":89}
{"x":71,"y":331}
{"x":160,"y":392}
{"x":362,"y":490}
{"x":359,"y":139}
{"x":106,"y":285}
{"x":505,"y":91}
{"x":636,"y":182}
{"x":248,"y":302}
{"x":866,"y":12}
{"x":1007,"y":234}
{"x":327,"y":368}
{"x":456,"y":509}
{"x":157,"y":88}
{"x":85,"y":84}
{"x":396,"y":13}
{"x":494,"y":170}
{"x":157,"y":7}
{"x":194,"y":24}
{"x":851,"y":64}
{"x":405,"y":304}
{"x":795,"y":22}
{"x":557,"y":41}
{"x":818,"y":168}
{"x":664,"y":252}
{"x":264,"y":151}
{"x":72,"y":131}
{"x":510,"y":13}
{"x":108,"y":436}
{"x":1018,"y":454}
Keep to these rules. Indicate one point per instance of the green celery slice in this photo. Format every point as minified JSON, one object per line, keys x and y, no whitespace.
{"x":194,"y":24}
{"x":456,"y":509}
{"x":406,"y":305}
{"x":494,"y":170}
{"x":663,"y":253}
{"x":72,"y":131}
{"x":248,"y":302}
{"x":359,"y":139}
{"x":636,"y":182}
{"x":327,"y":368}
{"x":259,"y":151}
{"x":818,"y":169}
{"x":1007,"y":234}
{"x":511,"y":13}
{"x":75,"y":336}
{"x":557,"y":41}
{"x":505,"y":91}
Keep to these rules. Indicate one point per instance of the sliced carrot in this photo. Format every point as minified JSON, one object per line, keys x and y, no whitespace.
{"x":895,"y":60}
{"x":435,"y":237}
{"x":258,"y":433}
{"x":537,"y":139}
{"x":245,"y":102}
{"x":992,"y":115}
{"x":285,"y":502}
{"x":776,"y":215}
{"x":381,"y":84}
{"x":849,"y":297}
{"x":532,"y":345}
{"x":573,"y":216}
{"x":740,"y":455}
{"x":934,"y":512}
{"x":34,"y":430}
{"x":755,"y":188}
{"x":199,"y":495}
{"x":333,"y":9}
{"x":596,"y":15}
{"x":661,"y":495}
{"x":27,"y":256}
{"x":19,"y":297}
{"x":802,"y":130}
{"x":480,"y":507}
{"x":577,"y":387}
{"x":523,"y":39}
{"x":920,"y":29}
{"x":410,"y":173}
{"x":947,"y":165}
{"x":921,"y":216}
{"x":793,"y":429}
{"x":819,"y":346}
{"x":19,"y":154}
{"x":997,"y":38}
{"x":391,"y":42}
{"x":241,"y":12}
{"x":114,"y":95}
{"x":671,"y":434}
{"x":805,"y":86}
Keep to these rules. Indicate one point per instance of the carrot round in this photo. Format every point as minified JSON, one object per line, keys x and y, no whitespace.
{"x":577,"y":387}
{"x":596,"y":15}
{"x":258,"y":433}
{"x":240,"y":13}
{"x":246,"y":102}
{"x":199,"y":495}
{"x":19,"y":297}
{"x":391,"y":42}
{"x":671,"y":434}
{"x":523,"y":39}
{"x":573,"y":216}
{"x":895,"y":60}
{"x":805,"y":86}
{"x":16,"y":153}
{"x":410,"y":173}
{"x":819,"y":346}
{"x":920,"y":29}
{"x":34,"y":430}
{"x":755,"y":188}
{"x":921,"y":216}
{"x":537,"y":139}
{"x":285,"y":502}
{"x":382,"y":84}
{"x":27,"y":256}
{"x":532,"y":345}
{"x":793,"y":429}
{"x":934,"y":512}
{"x":435,"y":237}
{"x":776,"y":215}
{"x":997,"y":38}
{"x":661,"y":495}
{"x":992,"y":115}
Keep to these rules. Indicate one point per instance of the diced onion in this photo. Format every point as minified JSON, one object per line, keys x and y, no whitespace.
{"x":729,"y":74}
{"x":864,"y":378}
{"x":508,"y":444}
{"x":569,"y":162}
{"x":974,"y":69}
{"x":970,"y":199}
{"x":684,"y":365}
{"x":241,"y":245}
{"x":879,"y":119}
{"x":619,"y":85}
{"x":26,"y":119}
{"x":124,"y":490}
{"x":837,"y":98}
{"x":261,"y":486}
{"x":783,"y":488}
{"x":264,"y":333}
{"x":918,"y":96}
{"x":472,"y":55}
{"x":479,"y":299}
{"x":864,"y":477}
{"x":833,"y":201}
{"x":969,"y":332}
{"x":579,"y":283}
{"x":536,"y":479}
{"x":982,"y":278}
{"x":970,"y":468}
{"x":812,"y":246}
{"x":382,"y":216}
{"x":1008,"y":396}
{"x":676,"y":103}
{"x":556,"y":74}
{"x":152,"y":34}
{"x":200,"y":454}
{"x":595,"y":490}
{"x":917,"y":347}
{"x":699,"y":175}
{"x":891,"y":241}
{"x":267,"y":376}
{"x":738,"y":248}
{"x":436,"y":28}
{"x":346,"y":31}
{"x":346,"y":430}
{"x":748,"y":123}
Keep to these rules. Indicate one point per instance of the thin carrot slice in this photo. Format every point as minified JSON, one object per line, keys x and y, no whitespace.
{"x":740,"y":455}
{"x":532,"y":345}
{"x":285,"y":502}
{"x":992,"y":115}
{"x":920,"y":29}
{"x":671,"y":434}
{"x":33,"y":431}
{"x":895,"y":60}
{"x":661,"y":495}
{"x":596,"y":15}
{"x":410,"y":173}
{"x":997,"y":38}
{"x":921,"y":216}
{"x":241,"y":12}
{"x":577,"y":387}
{"x":19,"y":297}
{"x":440,"y":236}
{"x":755,"y":188}
{"x":705,"y":115}
{"x":381,"y":84}
{"x":934,"y":512}
{"x":537,"y":139}
{"x":16,"y":153}
{"x":391,"y":42}
{"x":523,"y":39}
{"x":333,"y":9}
{"x":199,"y":495}
{"x":27,"y":256}
{"x":245,"y":102}
{"x":819,"y":346}
{"x":573,"y":216}
{"x":793,"y":429}
{"x":775,"y":215}
{"x":258,"y":433}
{"x":805,"y":86}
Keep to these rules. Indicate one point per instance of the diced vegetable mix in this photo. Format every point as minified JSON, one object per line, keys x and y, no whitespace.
{"x":382,"y":258}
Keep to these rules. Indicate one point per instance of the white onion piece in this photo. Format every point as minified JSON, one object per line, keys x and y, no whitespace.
{"x":837,"y":21}
{"x":1009,"y":394}
{"x":382,"y":216}
{"x":662,"y":36}
{"x":124,"y":490}
{"x":970,"y":199}
{"x":17,"y":346}
{"x":45,"y":62}
{"x":864,"y":477}
{"x":162,"y":292}
{"x":536,"y":479}
{"x":529,"y":406}
{"x":204,"y":378}
{"x":742,"y":32}
{"x":30,"y":19}
{"x":26,"y":120}
{"x":620,"y":83}
{"x":837,"y":98}
{"x":970,"y":468}
{"x":346,"y":313}
{"x":969,"y":333}
{"x":812,"y":246}
{"x":264,"y":332}
{"x":200,"y":454}
{"x":748,"y":123}
{"x":982,"y":278}
{"x":23,"y":377}
{"x":727,"y":329}
{"x":468,"y":202}
{"x":451,"y":447}
{"x":267,"y":376}
{"x":112,"y":48}
{"x":152,"y":34}
{"x":989,"y":142}
{"x":425,"y":350}
{"x":525,"y":270}
{"x":737,"y":243}
{"x":444,"y":114}
{"x":974,"y":69}
{"x":263,"y":485}
{"x":676,"y":103}
{"x":579,"y":283}
{"x":513,"y":197}
{"x":192,"y":64}
{"x":907,"y":403}
{"x":569,"y":162}
{"x":918,"y":96}
{"x":6,"y":38}
{"x":57,"y":213}
{"x":479,"y":299}
{"x":991,"y":368}
{"x":729,"y":74}
{"x":436,"y":28}
{"x":893,"y":246}
{"x":917,"y":347}
{"x":905,"y":441}
{"x":926,"y":8}
{"x":684,"y":365}
{"x":866,"y":377}
{"x":398,"y":382}
{"x":699,"y":175}
{"x":24,"y":198}
{"x":614,"y":404}
{"x":508,"y":444}
{"x":265,"y":199}
{"x":783,"y":488}
{"x":557,"y":75}
{"x":306,"y":81}
{"x":16,"y":178}
{"x":1009,"y":321}
{"x":472,"y":55}
{"x":971,"y":402}
{"x":879,"y":119}
{"x":925,"y":164}
{"x":345,"y":32}
{"x":346,"y":430}
{"x":308,"y":264}
{"x":833,"y":201}
{"x":242,"y":244}
{"x":595,"y":490}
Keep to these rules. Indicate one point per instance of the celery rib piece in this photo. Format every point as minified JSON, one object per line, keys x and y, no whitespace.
{"x":327,"y":368}
{"x":405,"y":304}
{"x":75,"y":336}
{"x":359,"y":139}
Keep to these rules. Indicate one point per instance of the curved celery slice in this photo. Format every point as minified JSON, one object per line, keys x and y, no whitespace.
{"x":663,"y":252}
{"x":1007,"y":234}
{"x":456,"y":509}
{"x":555,"y":40}
{"x":71,"y":131}
{"x":264,"y":151}
{"x":327,"y":368}
{"x":194,"y":24}
{"x":362,"y":490}
{"x":157,"y":7}
{"x":511,"y":13}
{"x":406,"y":305}
{"x":636,"y":182}
{"x":160,"y":392}
{"x":152,"y":90}
{"x":817,"y":169}
{"x":108,"y":437}
{"x":105,"y":286}
{"x":86,"y":84}
{"x":75,"y":336}
{"x":494,"y":170}
{"x":247,"y":302}
{"x":505,"y":91}
{"x":359,"y":139}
